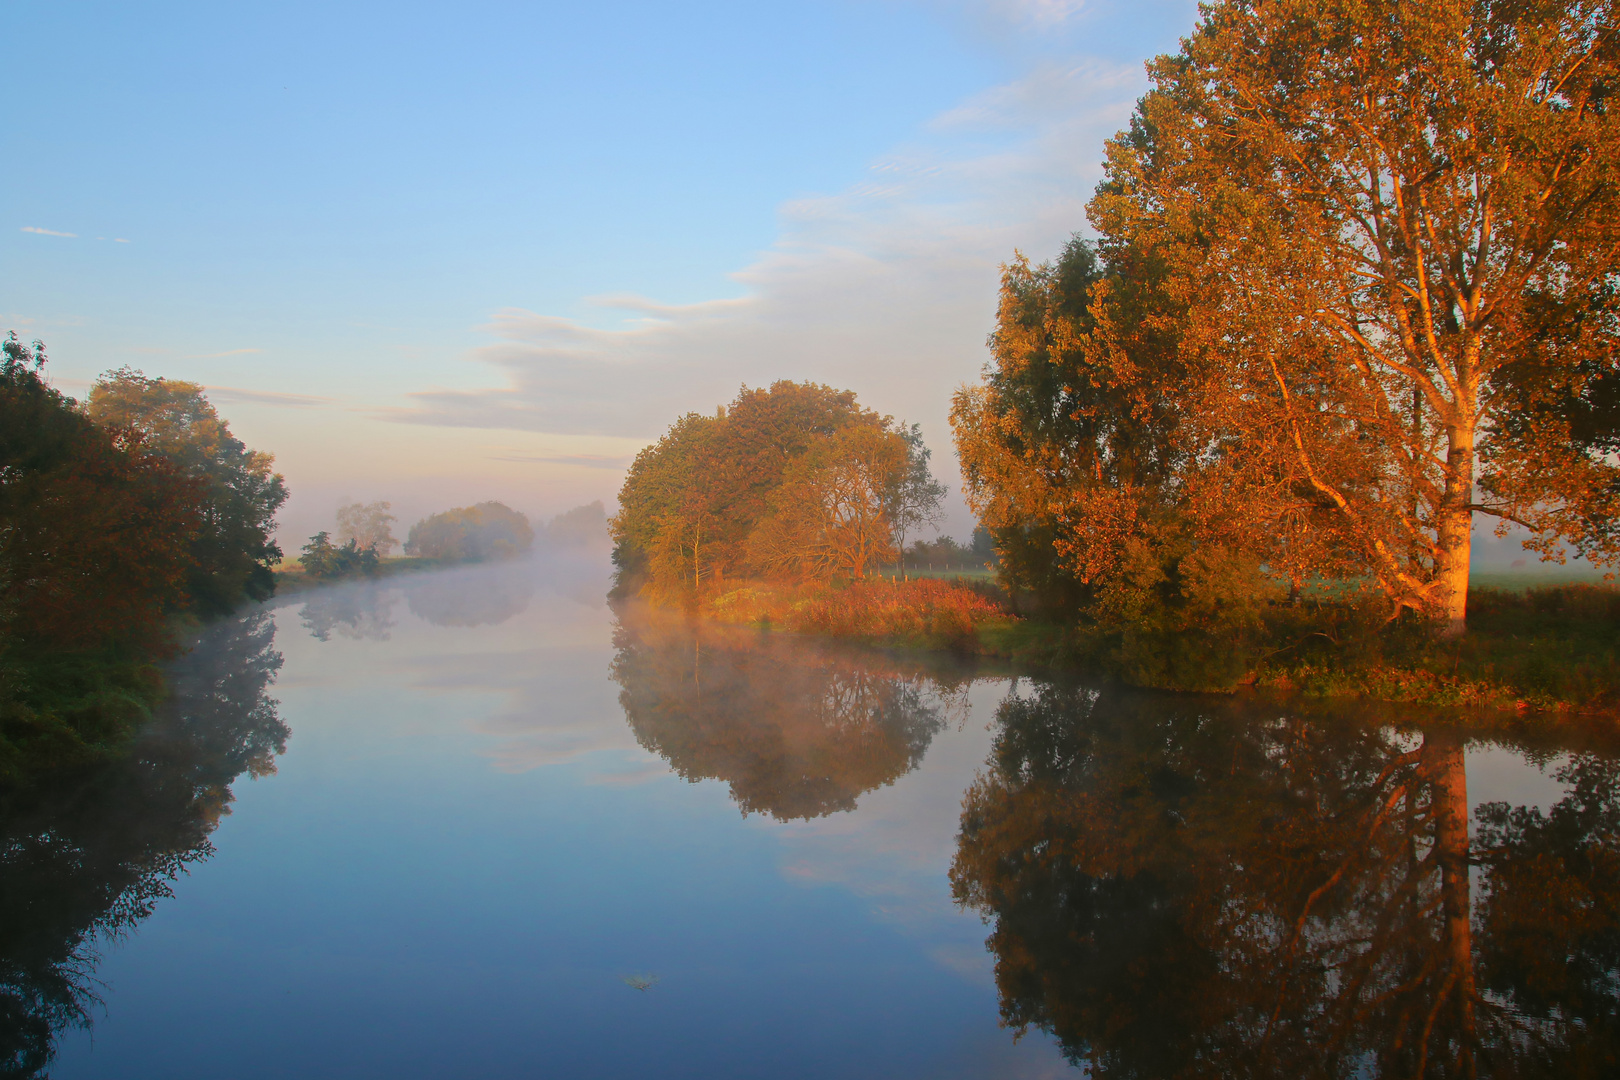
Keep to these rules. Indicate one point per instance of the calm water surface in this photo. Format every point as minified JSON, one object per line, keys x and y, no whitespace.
{"x":516,"y":833}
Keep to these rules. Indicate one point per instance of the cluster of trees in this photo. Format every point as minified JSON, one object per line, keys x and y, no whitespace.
{"x":945,"y":553}
{"x":1354,"y":284}
{"x":1180,"y":888}
{"x":488,"y":531}
{"x":114,"y":516}
{"x":796,"y":480}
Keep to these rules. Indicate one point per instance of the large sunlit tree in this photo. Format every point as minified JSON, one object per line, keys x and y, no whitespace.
{"x":1393,"y":227}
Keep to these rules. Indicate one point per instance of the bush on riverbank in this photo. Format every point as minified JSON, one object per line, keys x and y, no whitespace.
{"x":925,"y":613}
{"x":1552,"y":648}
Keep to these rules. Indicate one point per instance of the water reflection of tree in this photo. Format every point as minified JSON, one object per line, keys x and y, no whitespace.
{"x":1180,"y":890}
{"x":796,"y":732}
{"x":362,"y":612}
{"x":485,"y":596}
{"x":84,"y":863}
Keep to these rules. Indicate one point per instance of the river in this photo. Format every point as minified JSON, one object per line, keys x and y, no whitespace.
{"x":478,"y":823}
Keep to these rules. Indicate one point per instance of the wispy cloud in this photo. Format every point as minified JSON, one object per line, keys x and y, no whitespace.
{"x":49,"y":232}
{"x":1040,"y":12}
{"x":584,"y":461}
{"x":227,"y":352}
{"x":265,"y":397}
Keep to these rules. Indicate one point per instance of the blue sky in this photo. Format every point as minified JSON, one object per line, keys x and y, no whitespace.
{"x":434,"y":252}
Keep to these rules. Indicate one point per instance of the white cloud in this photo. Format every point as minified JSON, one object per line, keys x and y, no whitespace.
{"x":49,"y":232}
{"x":888,"y":288}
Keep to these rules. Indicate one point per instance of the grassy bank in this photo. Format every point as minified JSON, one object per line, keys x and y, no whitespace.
{"x":1542,"y":648}
{"x":291,"y":578}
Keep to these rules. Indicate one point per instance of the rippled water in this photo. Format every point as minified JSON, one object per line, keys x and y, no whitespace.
{"x":515,"y":832}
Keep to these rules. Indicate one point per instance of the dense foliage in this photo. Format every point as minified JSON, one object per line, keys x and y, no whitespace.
{"x":794,"y":481}
{"x":96,"y":539}
{"x":233,"y":552}
{"x":326,"y":561}
{"x":490,"y":530}
{"x":1353,"y":257}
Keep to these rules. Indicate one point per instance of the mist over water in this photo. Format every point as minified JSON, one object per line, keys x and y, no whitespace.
{"x":517,"y":831}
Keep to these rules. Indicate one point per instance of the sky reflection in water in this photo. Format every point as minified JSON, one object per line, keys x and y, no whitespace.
{"x":498,"y":800}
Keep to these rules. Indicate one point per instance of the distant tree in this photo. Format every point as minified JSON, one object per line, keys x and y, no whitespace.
{"x":583,"y":526}
{"x":914,"y":500}
{"x":711,"y":497}
{"x":325,"y":561}
{"x":488,"y":531}
{"x":233,"y":553}
{"x":367,"y":524}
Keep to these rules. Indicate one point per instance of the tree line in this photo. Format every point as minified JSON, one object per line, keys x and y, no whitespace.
{"x":117,"y":515}
{"x":1353,"y":285}
{"x":792,"y":481}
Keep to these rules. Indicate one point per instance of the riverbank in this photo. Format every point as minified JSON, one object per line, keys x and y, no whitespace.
{"x":1531,"y":648}
{"x":291,"y":578}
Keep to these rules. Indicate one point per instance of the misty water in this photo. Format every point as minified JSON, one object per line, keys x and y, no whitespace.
{"x":478,"y":823}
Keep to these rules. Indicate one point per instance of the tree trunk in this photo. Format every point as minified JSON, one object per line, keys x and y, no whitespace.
{"x":1454,"y":530}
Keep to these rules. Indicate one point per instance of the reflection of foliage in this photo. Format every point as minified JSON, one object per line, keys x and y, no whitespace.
{"x":361,"y":612}
{"x":85,"y":862}
{"x":470,"y":597}
{"x":795,"y":732}
{"x":1551,"y":904}
{"x":1179,"y":890}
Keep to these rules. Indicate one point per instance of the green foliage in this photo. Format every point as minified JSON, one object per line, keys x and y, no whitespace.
{"x":326,"y":561}
{"x":233,"y":552}
{"x":488,"y":531}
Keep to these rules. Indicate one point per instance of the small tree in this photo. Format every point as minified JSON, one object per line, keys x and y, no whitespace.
{"x":324,"y":560}
{"x":367,"y":524}
{"x":914,"y":500}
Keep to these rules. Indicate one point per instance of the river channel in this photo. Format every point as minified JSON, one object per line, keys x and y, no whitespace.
{"x":478,"y":823}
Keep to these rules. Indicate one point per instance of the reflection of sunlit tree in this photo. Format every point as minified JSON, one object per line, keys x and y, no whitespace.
{"x":796,"y":733}
{"x":86,"y":862}
{"x":1178,"y":890}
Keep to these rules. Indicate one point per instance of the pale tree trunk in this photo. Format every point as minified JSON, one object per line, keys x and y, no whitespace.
{"x":1454,"y":529}
{"x":1443,"y":767}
